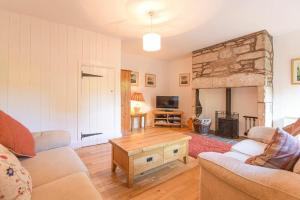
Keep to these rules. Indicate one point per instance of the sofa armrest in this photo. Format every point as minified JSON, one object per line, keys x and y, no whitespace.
{"x":257,"y":182}
{"x":261,"y":134}
{"x":51,"y":139}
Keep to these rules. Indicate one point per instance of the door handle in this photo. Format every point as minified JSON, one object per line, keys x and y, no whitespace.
{"x":149,"y":159}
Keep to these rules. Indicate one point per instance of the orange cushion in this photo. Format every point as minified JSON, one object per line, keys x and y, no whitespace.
{"x":15,"y":136}
{"x":294,"y":128}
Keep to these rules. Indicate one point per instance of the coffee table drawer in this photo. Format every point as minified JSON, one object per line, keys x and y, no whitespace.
{"x":174,"y":151}
{"x":148,"y":160}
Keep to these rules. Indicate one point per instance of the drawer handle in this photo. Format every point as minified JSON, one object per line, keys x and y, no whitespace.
{"x":149,"y":159}
{"x":175,"y":151}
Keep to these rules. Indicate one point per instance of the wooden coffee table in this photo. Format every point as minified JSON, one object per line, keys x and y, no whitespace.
{"x":138,"y":153}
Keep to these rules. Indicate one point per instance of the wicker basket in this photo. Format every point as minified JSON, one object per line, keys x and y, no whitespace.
{"x":201,"y":127}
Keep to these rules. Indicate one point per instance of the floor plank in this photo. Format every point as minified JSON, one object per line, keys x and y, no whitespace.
{"x":183,"y":186}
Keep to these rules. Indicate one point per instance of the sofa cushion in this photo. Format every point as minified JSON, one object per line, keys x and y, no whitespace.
{"x":297,"y":165}
{"x":51,"y":139}
{"x":50,"y":165}
{"x":281,"y":153}
{"x":15,"y":136}
{"x":261,"y":134}
{"x":73,"y":187}
{"x":249,"y":147}
{"x":236,"y":155}
{"x":15,"y":181}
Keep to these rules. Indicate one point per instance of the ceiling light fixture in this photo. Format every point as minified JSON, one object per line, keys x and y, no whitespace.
{"x":151,"y":41}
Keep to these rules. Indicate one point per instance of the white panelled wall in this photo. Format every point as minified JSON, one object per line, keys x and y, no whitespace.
{"x":40,"y":72}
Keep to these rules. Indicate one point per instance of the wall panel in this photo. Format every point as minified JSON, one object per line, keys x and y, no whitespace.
{"x":40,"y":66}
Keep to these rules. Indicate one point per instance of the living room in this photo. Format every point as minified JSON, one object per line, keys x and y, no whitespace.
{"x":127,"y":99}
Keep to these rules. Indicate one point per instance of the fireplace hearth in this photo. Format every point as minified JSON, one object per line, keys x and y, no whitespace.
{"x":227,"y":122}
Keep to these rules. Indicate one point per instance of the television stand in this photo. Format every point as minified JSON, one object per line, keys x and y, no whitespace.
{"x":168,"y":118}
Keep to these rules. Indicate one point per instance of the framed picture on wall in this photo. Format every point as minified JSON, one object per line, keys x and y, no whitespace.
{"x":184,"y":79}
{"x":134,"y":78}
{"x":296,"y":71}
{"x":150,"y":80}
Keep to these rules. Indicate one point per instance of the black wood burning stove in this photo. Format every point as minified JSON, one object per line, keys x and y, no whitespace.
{"x":227,"y":123}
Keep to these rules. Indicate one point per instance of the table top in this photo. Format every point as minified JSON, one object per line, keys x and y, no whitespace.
{"x":140,"y":142}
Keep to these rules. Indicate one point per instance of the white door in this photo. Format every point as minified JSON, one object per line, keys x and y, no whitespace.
{"x":96,"y":105}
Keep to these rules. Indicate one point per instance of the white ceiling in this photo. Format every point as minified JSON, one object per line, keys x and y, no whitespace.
{"x":185,"y":25}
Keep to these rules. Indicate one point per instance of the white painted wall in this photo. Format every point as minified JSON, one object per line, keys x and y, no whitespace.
{"x":40,"y":70}
{"x":286,"y":95}
{"x":176,"y":67}
{"x":148,"y":65}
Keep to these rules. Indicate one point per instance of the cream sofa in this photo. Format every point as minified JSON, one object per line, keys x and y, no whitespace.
{"x":57,"y":172}
{"x":227,"y":177}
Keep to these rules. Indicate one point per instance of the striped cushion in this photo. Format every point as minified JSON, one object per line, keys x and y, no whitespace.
{"x":281,"y":153}
{"x":294,"y":128}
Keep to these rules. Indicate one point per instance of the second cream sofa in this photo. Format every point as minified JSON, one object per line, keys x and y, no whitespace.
{"x":227,"y":177}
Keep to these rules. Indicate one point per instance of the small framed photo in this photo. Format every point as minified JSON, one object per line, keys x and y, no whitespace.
{"x":296,"y":71}
{"x":184,"y":79}
{"x":150,"y":80}
{"x":134,"y":78}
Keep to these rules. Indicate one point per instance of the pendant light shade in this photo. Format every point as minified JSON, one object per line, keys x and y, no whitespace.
{"x":151,"y":42}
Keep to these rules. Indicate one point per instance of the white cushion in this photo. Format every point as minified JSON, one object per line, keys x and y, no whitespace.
{"x":237,"y":155}
{"x":249,"y":147}
{"x":15,"y":181}
{"x":261,"y":134}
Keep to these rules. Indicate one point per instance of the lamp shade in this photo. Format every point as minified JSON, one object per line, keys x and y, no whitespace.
{"x":151,"y":42}
{"x":137,"y":96}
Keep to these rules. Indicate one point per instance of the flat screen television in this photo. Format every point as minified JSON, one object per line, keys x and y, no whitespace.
{"x":167,"y":102}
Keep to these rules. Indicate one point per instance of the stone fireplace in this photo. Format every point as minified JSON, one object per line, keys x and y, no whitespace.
{"x":242,"y":62}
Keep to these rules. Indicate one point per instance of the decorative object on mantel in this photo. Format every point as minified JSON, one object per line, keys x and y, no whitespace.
{"x":252,"y":123}
{"x":150,"y":80}
{"x":151,"y":40}
{"x":137,"y":97}
{"x":184,"y":79}
{"x":134,"y":79}
{"x":295,"y":71}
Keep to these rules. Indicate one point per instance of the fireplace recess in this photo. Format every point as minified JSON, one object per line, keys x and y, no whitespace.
{"x":227,"y":122}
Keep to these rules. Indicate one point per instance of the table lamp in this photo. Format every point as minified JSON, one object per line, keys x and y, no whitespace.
{"x":138,"y":97}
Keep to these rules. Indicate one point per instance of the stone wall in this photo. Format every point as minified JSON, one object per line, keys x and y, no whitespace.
{"x":241,"y":62}
{"x":245,"y":61}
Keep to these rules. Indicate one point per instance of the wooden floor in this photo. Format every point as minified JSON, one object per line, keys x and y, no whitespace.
{"x":98,"y":158}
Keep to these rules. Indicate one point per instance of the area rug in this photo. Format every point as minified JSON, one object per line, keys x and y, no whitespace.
{"x":199,"y":144}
